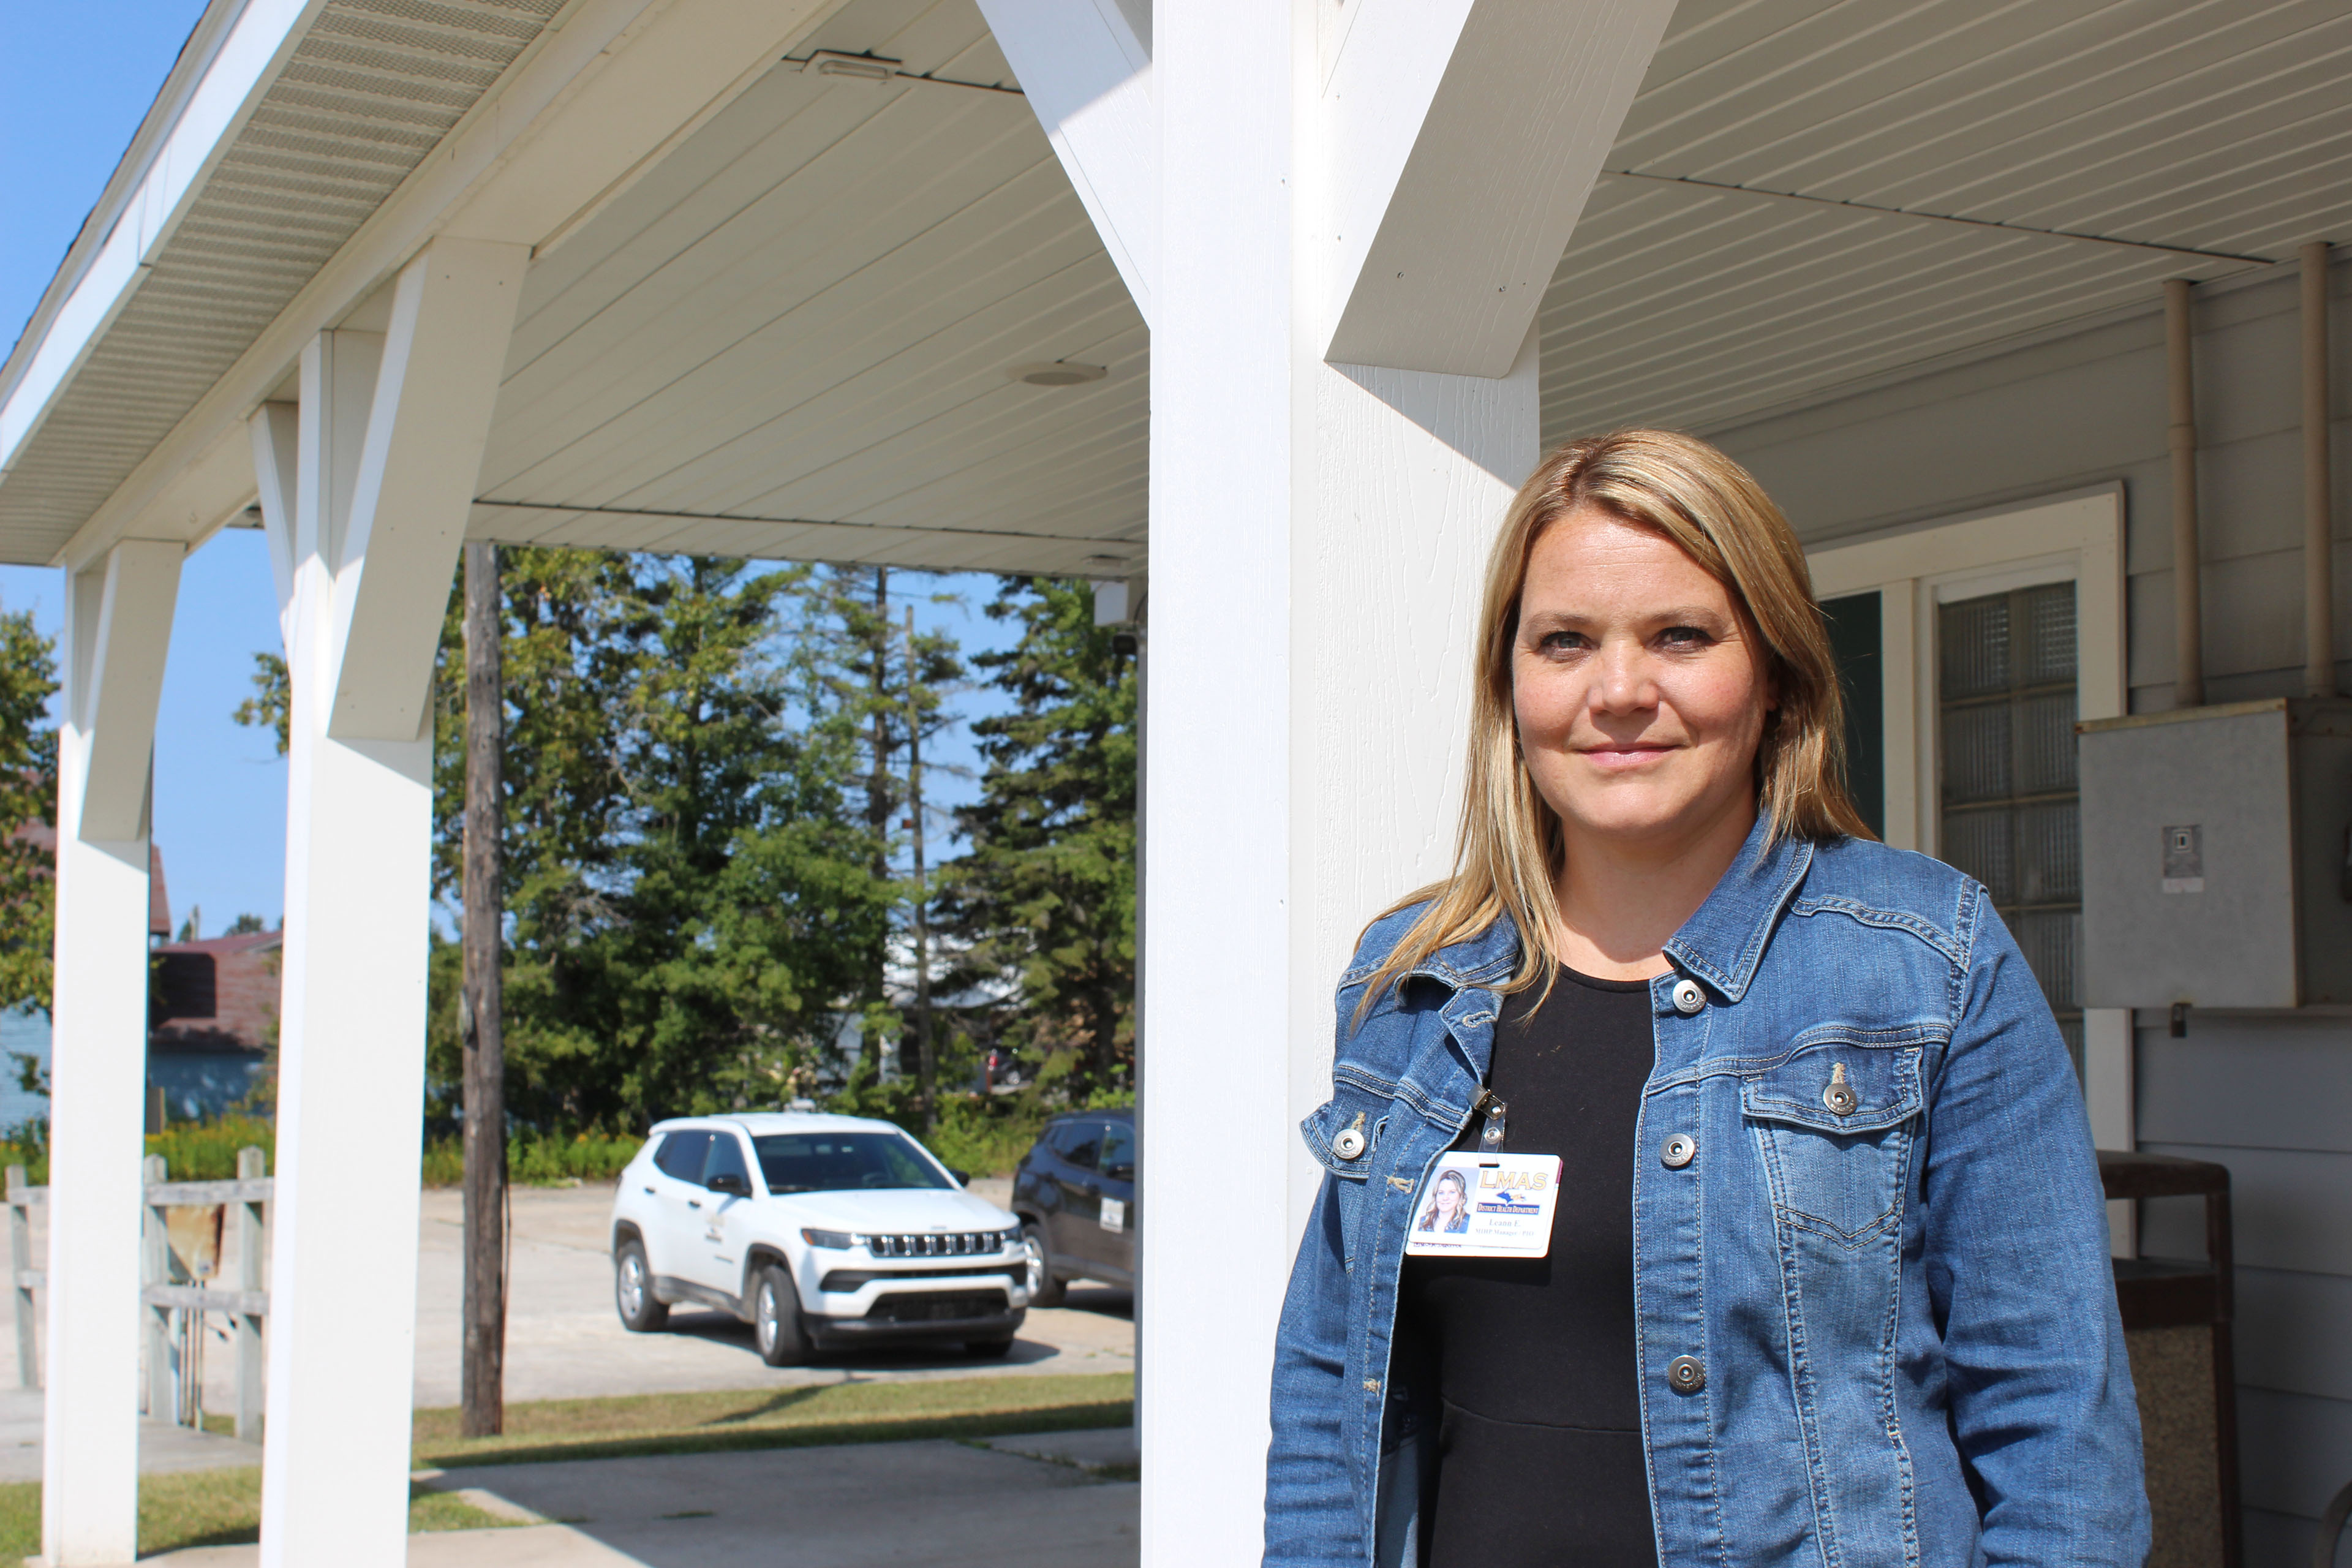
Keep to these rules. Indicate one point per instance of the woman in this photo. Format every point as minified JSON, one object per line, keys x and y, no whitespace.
{"x":1827,"y":1280}
{"x":1449,"y":1206}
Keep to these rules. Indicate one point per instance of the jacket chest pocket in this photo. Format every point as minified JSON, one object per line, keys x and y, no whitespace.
{"x":1835,"y":1124}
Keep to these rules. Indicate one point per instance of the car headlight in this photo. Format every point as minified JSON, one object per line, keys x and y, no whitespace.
{"x":840,"y":1240}
{"x":1011,"y":1237}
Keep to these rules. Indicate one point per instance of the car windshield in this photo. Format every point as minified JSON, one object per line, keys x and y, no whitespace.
{"x":844,"y":1162}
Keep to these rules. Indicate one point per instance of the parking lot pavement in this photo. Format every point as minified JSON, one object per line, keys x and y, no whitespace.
{"x":564,"y":1341}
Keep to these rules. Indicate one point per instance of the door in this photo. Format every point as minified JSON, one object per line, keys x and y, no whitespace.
{"x":1076,"y":1218}
{"x":672,"y":1244}
{"x":725,"y":1218}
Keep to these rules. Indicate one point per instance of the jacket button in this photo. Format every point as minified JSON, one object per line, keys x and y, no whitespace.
{"x":1685,"y":1375}
{"x":1689,"y":997}
{"x":1349,"y":1144}
{"x":1678,"y":1151}
{"x":1840,"y":1095}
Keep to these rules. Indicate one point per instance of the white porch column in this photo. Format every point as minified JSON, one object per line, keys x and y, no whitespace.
{"x":118,"y":625}
{"x":365,"y":490}
{"x":1293,"y":192}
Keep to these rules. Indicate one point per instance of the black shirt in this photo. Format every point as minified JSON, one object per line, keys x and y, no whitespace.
{"x":1539,"y":1441}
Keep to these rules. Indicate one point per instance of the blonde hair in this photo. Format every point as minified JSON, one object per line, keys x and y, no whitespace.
{"x":1510,"y":846}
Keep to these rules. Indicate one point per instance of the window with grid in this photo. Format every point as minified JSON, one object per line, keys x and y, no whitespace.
{"x":2011,"y":817}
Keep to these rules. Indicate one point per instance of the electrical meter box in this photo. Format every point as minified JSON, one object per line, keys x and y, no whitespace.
{"x":2217,"y":856}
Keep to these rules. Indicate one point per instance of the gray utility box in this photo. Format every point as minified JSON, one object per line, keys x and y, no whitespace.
{"x":2214,"y":856}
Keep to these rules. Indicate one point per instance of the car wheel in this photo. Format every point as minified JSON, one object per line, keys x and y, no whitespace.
{"x":641,"y":1310}
{"x":776,"y":1319}
{"x":1044,"y":1291}
{"x":986,"y":1350}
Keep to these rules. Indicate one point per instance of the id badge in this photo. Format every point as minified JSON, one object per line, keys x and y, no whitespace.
{"x":1485,"y":1205}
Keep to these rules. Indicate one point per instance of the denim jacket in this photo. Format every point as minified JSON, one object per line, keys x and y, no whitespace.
{"x":1874,"y":1317}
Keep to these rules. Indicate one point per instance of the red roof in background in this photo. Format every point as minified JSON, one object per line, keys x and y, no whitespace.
{"x":216,"y":993}
{"x":159,"y":900}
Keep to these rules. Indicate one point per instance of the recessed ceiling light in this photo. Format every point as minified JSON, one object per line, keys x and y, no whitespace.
{"x":1059,"y":373}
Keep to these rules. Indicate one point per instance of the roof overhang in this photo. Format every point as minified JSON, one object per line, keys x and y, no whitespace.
{"x":779,"y":308}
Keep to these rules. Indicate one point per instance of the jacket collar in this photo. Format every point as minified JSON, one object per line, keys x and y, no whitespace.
{"x":1478,"y":961}
{"x":1724,"y":942}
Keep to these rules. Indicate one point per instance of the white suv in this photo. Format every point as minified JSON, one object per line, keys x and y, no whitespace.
{"x":823,"y":1232}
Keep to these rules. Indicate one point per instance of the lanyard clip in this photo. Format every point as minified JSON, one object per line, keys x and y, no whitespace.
{"x":1490,"y":1137}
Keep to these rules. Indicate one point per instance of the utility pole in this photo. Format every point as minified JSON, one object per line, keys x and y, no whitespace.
{"x":922,"y":894}
{"x":878,"y":784}
{"x":483,"y":1375}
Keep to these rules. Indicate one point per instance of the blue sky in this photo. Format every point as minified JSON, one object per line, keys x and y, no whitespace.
{"x":75,"y":81}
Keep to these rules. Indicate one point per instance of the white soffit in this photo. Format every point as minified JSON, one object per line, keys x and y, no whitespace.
{"x":799,"y":336}
{"x":370,"y":87}
{"x":796,"y":335}
{"x":2216,"y":128}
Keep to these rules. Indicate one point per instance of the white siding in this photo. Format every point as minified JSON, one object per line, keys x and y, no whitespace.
{"x":2269,"y":1096}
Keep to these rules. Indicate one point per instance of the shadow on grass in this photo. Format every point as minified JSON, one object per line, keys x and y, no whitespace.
{"x":783,"y":1399}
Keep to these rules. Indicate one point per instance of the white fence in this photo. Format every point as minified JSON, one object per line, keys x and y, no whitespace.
{"x":177,"y":1284}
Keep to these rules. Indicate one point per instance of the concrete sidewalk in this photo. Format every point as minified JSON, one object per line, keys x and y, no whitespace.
{"x":162,"y":1446}
{"x":857,"y":1506}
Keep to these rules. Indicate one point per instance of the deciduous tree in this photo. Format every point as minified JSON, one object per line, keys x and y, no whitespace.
{"x":28,"y":795}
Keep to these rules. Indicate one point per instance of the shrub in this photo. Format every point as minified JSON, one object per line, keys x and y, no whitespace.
{"x":206,"y":1150}
{"x":192,"y":1151}
{"x":988,"y":1135}
{"x":537,"y":1159}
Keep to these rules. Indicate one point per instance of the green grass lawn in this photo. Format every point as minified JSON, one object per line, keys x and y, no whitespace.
{"x":808,"y":1415}
{"x":208,"y":1508}
{"x":218,"y":1508}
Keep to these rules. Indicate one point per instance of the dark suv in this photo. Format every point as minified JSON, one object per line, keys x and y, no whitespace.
{"x":1074,"y":1191}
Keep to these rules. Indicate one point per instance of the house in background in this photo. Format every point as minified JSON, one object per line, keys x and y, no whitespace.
{"x":213,"y":1011}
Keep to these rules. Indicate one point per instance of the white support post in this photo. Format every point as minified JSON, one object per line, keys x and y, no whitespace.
{"x":1389,"y":181}
{"x":118,"y":628}
{"x":1456,"y":141}
{"x":1087,"y":72}
{"x":366,"y":516}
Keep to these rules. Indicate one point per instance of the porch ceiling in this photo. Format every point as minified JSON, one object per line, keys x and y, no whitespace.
{"x":2221,"y":128}
{"x":798,"y":339}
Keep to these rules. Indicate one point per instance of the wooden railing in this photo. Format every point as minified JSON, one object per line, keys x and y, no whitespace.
{"x":176,"y":1312}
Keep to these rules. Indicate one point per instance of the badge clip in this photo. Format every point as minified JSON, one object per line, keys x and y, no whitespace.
{"x":1490,"y":1137}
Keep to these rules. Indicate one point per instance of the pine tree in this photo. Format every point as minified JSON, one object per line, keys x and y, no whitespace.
{"x":688,"y":888}
{"x":1045,"y":897}
{"x":856,"y":655}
